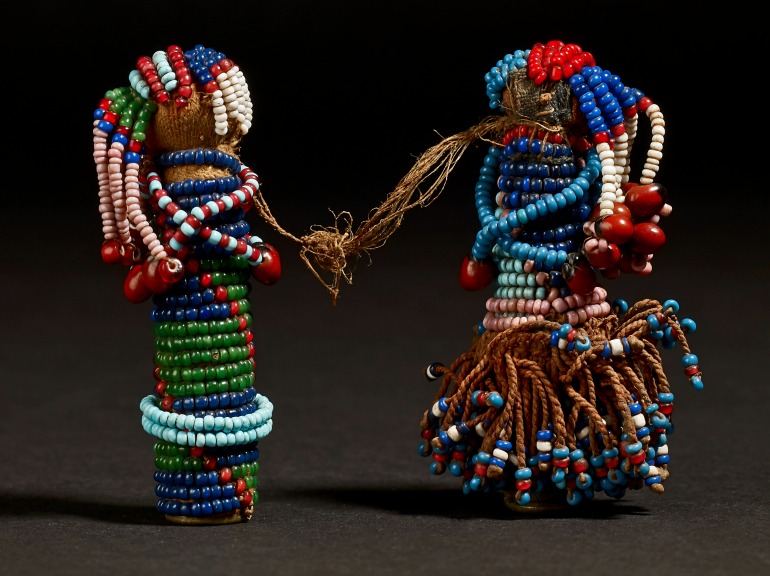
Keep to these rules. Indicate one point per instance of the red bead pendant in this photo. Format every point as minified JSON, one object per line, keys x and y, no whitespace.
{"x":268,"y":271}
{"x":111,"y":252}
{"x":476,"y":274}
{"x":579,"y":275}
{"x":604,"y":259}
{"x":648,"y":238}
{"x":645,"y":201}
{"x":134,"y":287}
{"x":616,"y":228}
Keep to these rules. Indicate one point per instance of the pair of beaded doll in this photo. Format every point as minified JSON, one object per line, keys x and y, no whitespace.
{"x":561,"y":395}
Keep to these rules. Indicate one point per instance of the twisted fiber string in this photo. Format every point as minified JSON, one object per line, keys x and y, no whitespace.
{"x":335,"y":248}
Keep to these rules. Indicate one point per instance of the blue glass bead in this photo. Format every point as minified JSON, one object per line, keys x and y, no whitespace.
{"x":544,"y":435}
{"x":650,"y":480}
{"x":555,"y":338}
{"x":673,"y":304}
{"x":597,"y":461}
{"x":560,"y":452}
{"x":687,"y":325}
{"x":494,"y":461}
{"x":523,"y":474}
{"x":696,"y":382}
{"x":574,"y":497}
{"x":662,"y":460}
{"x":576,"y":454}
{"x":610,"y":452}
{"x":665,"y":397}
{"x":558,"y":475}
{"x":642,"y":432}
{"x":689,"y":360}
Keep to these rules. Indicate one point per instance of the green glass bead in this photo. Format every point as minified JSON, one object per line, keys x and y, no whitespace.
{"x":199,"y":389}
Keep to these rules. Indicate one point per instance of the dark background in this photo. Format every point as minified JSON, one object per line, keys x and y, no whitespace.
{"x":347,"y":94}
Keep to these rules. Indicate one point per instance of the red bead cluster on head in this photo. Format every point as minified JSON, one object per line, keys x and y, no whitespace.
{"x":158,"y":92}
{"x":556,"y":61}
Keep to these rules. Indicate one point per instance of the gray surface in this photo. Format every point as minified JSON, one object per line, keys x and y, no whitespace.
{"x":342,"y":489}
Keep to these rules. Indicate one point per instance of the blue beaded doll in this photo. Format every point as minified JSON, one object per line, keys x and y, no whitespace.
{"x":562,"y":394}
{"x":172,"y":196}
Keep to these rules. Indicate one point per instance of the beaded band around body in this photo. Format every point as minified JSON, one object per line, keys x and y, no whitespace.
{"x":562,"y":394}
{"x":172,"y":196}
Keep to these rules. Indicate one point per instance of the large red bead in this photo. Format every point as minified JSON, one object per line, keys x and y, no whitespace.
{"x":134,"y":287}
{"x":645,"y":201}
{"x":579,"y":275}
{"x":476,"y":274}
{"x":616,"y":228}
{"x":111,"y":252}
{"x":648,"y":238}
{"x":604,"y":259}
{"x":152,"y":278}
{"x":171,"y":270}
{"x":268,"y":271}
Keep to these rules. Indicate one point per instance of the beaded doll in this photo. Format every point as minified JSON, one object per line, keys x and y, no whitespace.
{"x":562,"y":394}
{"x":172,"y":196}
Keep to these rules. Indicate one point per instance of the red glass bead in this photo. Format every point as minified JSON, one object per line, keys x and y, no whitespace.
{"x":561,"y":462}
{"x":220,"y":294}
{"x":160,"y":387}
{"x":618,"y":130}
{"x":611,"y":462}
{"x":579,"y":275}
{"x":246,"y":499}
{"x":580,"y":465}
{"x":615,"y":228}
{"x":206,"y":279}
{"x":648,"y":238}
{"x":666,"y":409}
{"x":167,"y":403}
{"x":111,"y":252}
{"x":171,"y":270}
{"x":268,"y":271}
{"x":524,"y":484}
{"x":600,"y":472}
{"x":240,"y":486}
{"x":480,"y":469}
{"x":196,"y":451}
{"x":209,"y":463}
{"x":225,"y":474}
{"x":691,"y":370}
{"x":645,"y":200}
{"x":638,"y":458}
{"x":243,"y":323}
{"x":604,"y":259}
{"x":234,"y":308}
{"x":476,"y":274}
{"x":134,"y":288}
{"x":441,"y":457}
{"x":644,"y":103}
{"x":151,"y":277}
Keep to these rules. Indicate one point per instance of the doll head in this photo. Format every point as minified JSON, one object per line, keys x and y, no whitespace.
{"x":555,"y":95}
{"x":181,"y":118}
